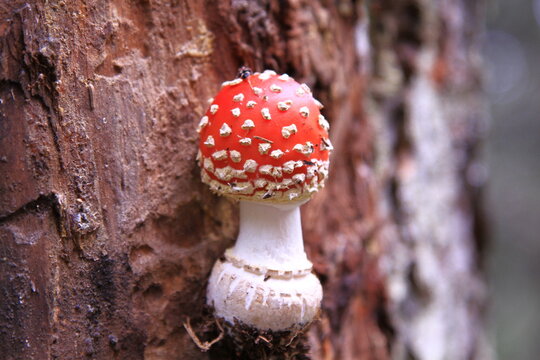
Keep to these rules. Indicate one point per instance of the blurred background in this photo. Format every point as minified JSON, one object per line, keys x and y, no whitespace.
{"x":512,"y":56}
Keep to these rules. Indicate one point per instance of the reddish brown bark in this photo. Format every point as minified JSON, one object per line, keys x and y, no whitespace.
{"x":108,"y":236}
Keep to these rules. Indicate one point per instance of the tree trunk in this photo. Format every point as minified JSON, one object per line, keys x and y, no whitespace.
{"x":108,"y":236}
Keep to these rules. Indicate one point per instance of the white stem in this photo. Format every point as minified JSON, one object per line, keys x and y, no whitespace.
{"x":265,"y":280}
{"x":271,"y":237}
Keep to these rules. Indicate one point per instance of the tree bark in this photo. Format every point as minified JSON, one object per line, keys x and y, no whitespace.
{"x":108,"y":236}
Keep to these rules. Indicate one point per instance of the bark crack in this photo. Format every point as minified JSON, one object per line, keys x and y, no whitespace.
{"x":43,"y":201}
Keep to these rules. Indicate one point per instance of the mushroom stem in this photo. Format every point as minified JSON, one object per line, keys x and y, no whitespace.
{"x":265,"y":280}
{"x":271,"y":237}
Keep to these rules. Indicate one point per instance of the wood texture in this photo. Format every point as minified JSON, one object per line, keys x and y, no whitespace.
{"x":108,"y":236}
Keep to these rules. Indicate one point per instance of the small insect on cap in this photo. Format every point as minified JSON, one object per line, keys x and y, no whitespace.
{"x":263,"y":138}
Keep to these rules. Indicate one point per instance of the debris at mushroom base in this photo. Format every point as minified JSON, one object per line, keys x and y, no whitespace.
{"x":245,"y":342}
{"x":252,"y":344}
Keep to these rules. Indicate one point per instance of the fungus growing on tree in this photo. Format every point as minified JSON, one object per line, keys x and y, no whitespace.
{"x":264,"y":142}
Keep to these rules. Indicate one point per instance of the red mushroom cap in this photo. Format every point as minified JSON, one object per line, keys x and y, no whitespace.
{"x":263,"y":139}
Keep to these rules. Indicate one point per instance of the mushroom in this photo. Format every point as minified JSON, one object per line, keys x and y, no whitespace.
{"x":263,"y":143}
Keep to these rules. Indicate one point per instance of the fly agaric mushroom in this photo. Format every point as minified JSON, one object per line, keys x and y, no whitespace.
{"x":265,"y":143}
